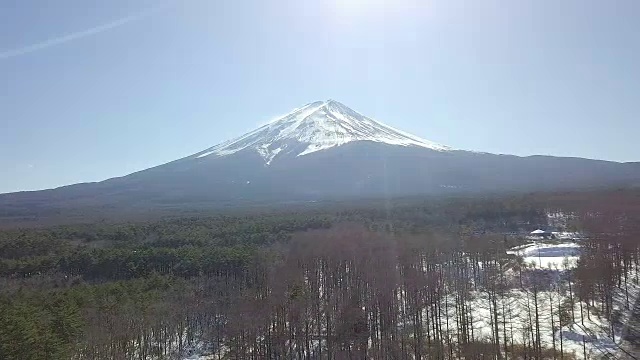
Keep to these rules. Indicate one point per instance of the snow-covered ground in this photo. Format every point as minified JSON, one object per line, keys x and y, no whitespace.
{"x":517,"y":320}
{"x":549,"y":255}
{"x":567,"y":235}
{"x":584,"y":330}
{"x":590,"y":334}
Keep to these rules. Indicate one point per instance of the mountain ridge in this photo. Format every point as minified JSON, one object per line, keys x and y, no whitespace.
{"x":323,"y":150}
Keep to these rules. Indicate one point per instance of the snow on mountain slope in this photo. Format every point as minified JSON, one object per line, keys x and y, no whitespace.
{"x":314,"y":127}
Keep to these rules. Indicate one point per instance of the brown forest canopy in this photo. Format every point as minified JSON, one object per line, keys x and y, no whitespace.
{"x":365,"y":280}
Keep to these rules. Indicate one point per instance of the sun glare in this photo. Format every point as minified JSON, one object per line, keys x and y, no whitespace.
{"x":361,"y":5}
{"x":370,"y":7}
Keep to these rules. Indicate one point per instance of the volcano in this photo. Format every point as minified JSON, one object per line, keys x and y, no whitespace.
{"x":323,"y":150}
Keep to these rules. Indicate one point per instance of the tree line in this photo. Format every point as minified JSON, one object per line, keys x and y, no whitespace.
{"x":414,"y":281}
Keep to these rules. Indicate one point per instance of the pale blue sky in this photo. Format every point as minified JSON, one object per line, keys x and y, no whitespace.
{"x":96,"y":89}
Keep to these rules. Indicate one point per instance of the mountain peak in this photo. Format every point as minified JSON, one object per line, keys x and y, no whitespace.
{"x":317,"y":126}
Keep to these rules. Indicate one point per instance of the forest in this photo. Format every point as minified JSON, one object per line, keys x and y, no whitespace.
{"x":409,"y":279}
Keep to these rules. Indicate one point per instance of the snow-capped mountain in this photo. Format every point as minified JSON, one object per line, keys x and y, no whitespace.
{"x":314,"y":127}
{"x":321,"y":151}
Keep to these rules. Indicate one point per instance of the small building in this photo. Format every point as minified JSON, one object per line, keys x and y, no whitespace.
{"x":542,"y":234}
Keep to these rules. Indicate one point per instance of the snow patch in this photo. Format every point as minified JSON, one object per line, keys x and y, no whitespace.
{"x":320,"y":126}
{"x":549,"y":256}
{"x":270,"y":156}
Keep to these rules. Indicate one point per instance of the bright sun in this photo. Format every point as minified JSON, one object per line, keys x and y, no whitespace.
{"x":361,"y":5}
{"x":369,"y":7}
